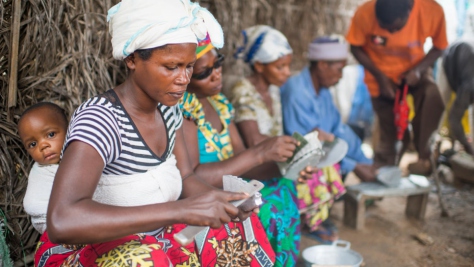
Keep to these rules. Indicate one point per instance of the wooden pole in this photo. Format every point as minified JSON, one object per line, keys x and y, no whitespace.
{"x":15,"y":43}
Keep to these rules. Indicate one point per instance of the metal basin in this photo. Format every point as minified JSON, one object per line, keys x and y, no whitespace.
{"x":338,"y":254}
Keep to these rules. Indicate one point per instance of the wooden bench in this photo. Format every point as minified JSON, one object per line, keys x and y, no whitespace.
{"x":354,"y":200}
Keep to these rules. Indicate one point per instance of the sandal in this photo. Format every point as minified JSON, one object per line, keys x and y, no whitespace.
{"x":328,"y":224}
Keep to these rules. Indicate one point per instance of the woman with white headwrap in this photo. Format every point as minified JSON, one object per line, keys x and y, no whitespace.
{"x":124,"y":164}
{"x":258,"y":115}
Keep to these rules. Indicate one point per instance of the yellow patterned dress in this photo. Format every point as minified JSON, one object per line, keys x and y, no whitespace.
{"x":279,"y":212}
{"x":213,"y":145}
{"x":216,"y":146}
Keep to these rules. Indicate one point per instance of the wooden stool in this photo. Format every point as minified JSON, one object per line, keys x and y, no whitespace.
{"x":354,"y":200}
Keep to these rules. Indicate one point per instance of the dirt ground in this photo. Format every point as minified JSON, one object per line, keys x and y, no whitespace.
{"x":388,"y":237}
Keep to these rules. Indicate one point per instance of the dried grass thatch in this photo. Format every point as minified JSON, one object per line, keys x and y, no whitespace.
{"x":65,"y":57}
{"x":300,"y":20}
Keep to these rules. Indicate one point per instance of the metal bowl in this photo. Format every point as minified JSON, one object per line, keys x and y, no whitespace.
{"x":332,"y":255}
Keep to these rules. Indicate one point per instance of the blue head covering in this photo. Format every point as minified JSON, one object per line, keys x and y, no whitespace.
{"x":263,"y":44}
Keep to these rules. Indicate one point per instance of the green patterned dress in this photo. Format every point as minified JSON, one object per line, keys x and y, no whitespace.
{"x":279,"y":213}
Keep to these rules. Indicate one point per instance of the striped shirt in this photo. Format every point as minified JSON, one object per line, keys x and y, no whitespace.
{"x":103,"y":123}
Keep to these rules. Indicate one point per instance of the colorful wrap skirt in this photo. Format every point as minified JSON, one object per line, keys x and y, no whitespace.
{"x":317,"y":195}
{"x":280,"y":217}
{"x":234,"y":244}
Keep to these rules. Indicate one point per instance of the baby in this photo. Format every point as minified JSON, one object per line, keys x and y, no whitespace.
{"x":42,"y":129}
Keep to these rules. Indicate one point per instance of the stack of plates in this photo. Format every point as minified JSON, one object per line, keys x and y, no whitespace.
{"x":314,"y":154}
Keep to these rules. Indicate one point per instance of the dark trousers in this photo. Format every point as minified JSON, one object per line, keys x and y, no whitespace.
{"x":428,"y":110}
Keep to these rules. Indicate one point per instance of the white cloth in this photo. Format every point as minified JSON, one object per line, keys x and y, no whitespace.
{"x":143,"y":24}
{"x":38,"y":191}
{"x":158,"y":185}
{"x":263,"y":44}
{"x":343,"y":92}
{"x":328,"y":48}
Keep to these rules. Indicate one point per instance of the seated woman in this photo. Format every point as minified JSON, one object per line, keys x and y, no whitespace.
{"x":216,"y":149}
{"x":125,"y":165}
{"x":259,"y":117}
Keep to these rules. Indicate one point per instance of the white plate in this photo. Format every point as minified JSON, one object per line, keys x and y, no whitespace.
{"x":292,"y":171}
{"x":309,"y":155}
{"x":390,"y":176}
{"x":419,"y":180}
{"x":334,"y":152}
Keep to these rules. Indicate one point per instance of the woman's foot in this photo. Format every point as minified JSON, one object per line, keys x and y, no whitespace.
{"x":328,"y":224}
{"x":324,"y":235}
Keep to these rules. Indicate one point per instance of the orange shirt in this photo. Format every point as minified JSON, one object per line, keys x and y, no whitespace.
{"x":396,"y":53}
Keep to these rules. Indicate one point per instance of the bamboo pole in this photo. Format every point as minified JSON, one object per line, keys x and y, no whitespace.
{"x":15,"y":43}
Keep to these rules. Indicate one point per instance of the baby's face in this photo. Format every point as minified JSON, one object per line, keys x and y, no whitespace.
{"x":42,"y":132}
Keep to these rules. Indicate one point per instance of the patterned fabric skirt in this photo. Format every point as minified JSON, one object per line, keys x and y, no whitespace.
{"x":320,"y":192}
{"x":235,"y":244}
{"x":280,"y":218}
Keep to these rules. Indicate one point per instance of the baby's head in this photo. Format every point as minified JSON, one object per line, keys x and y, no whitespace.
{"x":42,"y":129}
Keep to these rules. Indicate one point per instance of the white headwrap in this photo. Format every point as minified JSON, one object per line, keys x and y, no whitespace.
{"x":263,"y":44}
{"x":143,"y":24}
{"x":333,"y":47}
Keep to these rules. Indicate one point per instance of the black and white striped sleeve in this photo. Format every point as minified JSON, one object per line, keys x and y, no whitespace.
{"x":96,"y":126}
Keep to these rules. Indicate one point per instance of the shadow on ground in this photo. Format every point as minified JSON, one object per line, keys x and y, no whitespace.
{"x":388,"y":236}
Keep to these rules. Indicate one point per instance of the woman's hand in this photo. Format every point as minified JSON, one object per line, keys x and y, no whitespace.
{"x":325,"y":136}
{"x":253,"y":206}
{"x":307,"y":174}
{"x":276,"y":149}
{"x":212,"y":208}
{"x":365,"y":172}
{"x":243,"y":215}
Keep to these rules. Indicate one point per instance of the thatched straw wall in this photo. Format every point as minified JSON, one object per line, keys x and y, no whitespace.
{"x":64,"y":56}
{"x":300,"y":20}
